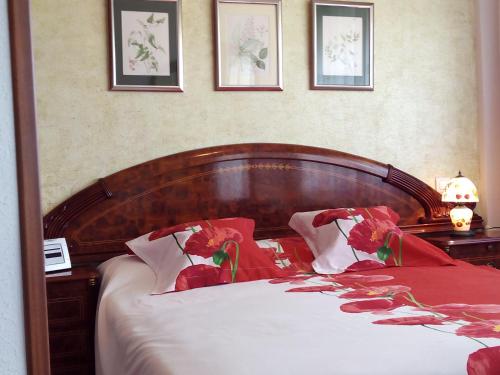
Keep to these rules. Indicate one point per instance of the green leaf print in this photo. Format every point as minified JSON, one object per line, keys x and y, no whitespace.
{"x":384,"y":252}
{"x":263,"y":53}
{"x":219,"y":257}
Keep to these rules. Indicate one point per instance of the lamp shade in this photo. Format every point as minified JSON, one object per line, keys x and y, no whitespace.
{"x":460,"y":190}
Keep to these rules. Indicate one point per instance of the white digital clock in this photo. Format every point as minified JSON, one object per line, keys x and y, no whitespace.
{"x":56,"y":254}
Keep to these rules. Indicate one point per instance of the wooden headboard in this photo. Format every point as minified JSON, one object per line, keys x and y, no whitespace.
{"x":267,"y":182}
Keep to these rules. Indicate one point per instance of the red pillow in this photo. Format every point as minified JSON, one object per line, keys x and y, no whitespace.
{"x":291,"y":254}
{"x":204,"y":253}
{"x":412,"y":251}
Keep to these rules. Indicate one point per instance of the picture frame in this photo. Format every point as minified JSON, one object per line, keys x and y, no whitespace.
{"x":248,"y":45}
{"x":146,"y":45}
{"x":342,"y":45}
{"x":56,"y":255}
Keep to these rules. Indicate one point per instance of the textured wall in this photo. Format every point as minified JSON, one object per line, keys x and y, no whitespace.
{"x":422,"y":116}
{"x":12,"y":354}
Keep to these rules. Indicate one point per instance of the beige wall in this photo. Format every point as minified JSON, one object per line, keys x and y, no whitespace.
{"x":422,"y":116}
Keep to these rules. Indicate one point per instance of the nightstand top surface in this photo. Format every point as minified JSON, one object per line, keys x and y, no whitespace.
{"x":75,"y":273}
{"x":488,"y":236}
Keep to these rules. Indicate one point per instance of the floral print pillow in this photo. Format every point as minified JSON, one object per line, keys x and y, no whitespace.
{"x":354,"y":239}
{"x":204,"y":253}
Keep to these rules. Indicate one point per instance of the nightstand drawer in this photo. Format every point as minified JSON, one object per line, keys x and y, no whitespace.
{"x":486,"y":250}
{"x":67,"y":303}
{"x":69,"y":346}
{"x":483,"y":248}
{"x":492,"y":262}
{"x":71,"y":288}
{"x":66,"y":311}
{"x":70,"y":352}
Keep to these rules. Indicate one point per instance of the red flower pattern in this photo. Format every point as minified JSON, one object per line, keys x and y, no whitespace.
{"x":164,"y":232}
{"x":374,"y":305}
{"x":484,"y":328}
{"x":351,"y":279}
{"x":371,"y":234}
{"x":317,"y":288}
{"x":376,"y":291}
{"x":379,"y":213}
{"x":364,"y":265}
{"x":328,"y":216}
{"x":485,"y":361}
{"x":269,"y":252}
{"x":291,"y":254}
{"x":210,"y":239}
{"x":298,"y":254}
{"x":199,"y":276}
{"x":458,"y":309}
{"x":412,"y":320}
{"x":291,"y":280}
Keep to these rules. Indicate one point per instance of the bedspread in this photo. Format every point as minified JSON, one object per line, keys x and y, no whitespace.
{"x":413,"y":320}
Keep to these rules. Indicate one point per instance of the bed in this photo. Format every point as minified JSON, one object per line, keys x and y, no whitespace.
{"x":449,"y":322}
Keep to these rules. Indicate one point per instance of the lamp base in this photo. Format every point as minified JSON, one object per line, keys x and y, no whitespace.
{"x":465,"y":233}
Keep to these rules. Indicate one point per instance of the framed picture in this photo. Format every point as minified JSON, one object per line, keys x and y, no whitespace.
{"x":146,"y":45}
{"x":342,"y":46}
{"x":248,"y":45}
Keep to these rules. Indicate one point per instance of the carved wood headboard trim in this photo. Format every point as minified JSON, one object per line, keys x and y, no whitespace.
{"x":261,"y":180}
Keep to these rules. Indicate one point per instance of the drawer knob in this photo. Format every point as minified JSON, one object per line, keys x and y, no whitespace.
{"x":490,"y":247}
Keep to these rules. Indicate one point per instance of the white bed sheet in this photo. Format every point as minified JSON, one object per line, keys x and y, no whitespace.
{"x":253,"y":328}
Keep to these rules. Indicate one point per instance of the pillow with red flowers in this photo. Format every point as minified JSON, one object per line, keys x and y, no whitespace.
{"x":291,"y":254}
{"x":204,"y":253}
{"x":354,"y":239}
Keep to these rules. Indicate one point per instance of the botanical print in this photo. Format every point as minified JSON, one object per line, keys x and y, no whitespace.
{"x":369,"y":233}
{"x":209,"y":242}
{"x":247,"y":49}
{"x":342,"y":46}
{"x":145,"y":43}
{"x":479,"y":323}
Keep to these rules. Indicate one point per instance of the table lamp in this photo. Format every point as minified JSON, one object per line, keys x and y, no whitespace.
{"x":461,"y":190}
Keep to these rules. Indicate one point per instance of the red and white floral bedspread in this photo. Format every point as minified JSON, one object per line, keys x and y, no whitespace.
{"x":411,"y":320}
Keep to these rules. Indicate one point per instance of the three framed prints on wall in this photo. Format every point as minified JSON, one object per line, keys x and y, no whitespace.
{"x":146,"y":45}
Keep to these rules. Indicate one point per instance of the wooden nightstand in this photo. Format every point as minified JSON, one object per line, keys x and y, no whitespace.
{"x":71,"y":303}
{"x":483,"y":248}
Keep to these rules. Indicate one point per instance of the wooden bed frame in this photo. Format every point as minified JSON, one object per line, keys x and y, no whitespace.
{"x":266,"y":182}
